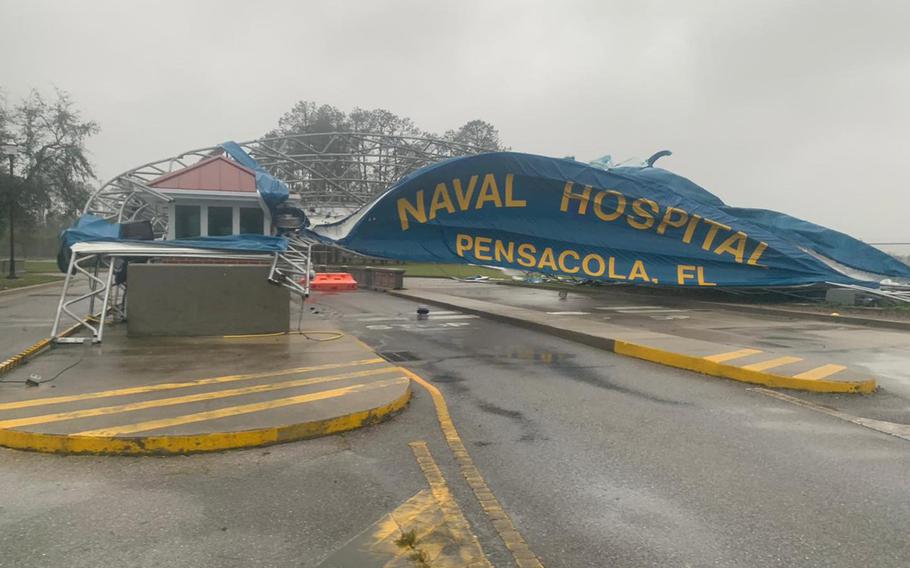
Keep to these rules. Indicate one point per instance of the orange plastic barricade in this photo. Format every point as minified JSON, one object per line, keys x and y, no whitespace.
{"x":332,"y":282}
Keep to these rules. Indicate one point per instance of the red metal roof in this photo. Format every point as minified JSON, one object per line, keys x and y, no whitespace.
{"x":211,"y":174}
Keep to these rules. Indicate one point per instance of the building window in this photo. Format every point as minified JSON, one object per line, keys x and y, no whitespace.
{"x":187,"y":222}
{"x":221,"y":221}
{"x":250,"y":221}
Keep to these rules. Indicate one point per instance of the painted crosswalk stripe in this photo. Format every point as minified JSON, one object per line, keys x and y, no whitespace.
{"x":237,"y":410}
{"x":657,"y":311}
{"x":646,"y":308}
{"x":569,"y":313}
{"x":434,"y":316}
{"x":820,"y":372}
{"x":168,"y":386}
{"x":730,"y":355}
{"x":186,"y":399}
{"x":772,"y":363}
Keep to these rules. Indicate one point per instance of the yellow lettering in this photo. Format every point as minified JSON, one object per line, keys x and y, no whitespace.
{"x":690,"y":229}
{"x":526,"y":255}
{"x":547,"y":259}
{"x":756,"y":254}
{"x":463,"y":243}
{"x":739,"y":250}
{"x":440,"y":200}
{"x":668,"y":220}
{"x":582,"y":197}
{"x":712,"y":232}
{"x":701,"y":278}
{"x":612,"y":273}
{"x":502,"y":252}
{"x":562,"y":261}
{"x":464,"y":198}
{"x":684,"y":272}
{"x":648,"y":221}
{"x":417,"y":211}
{"x":620,"y":205}
{"x":585,"y":265}
{"x":638,"y":271}
{"x":482,"y":248}
{"x":510,"y":201}
{"x":489,"y":191}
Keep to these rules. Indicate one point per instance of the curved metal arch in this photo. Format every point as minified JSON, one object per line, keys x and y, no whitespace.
{"x":333,"y":173}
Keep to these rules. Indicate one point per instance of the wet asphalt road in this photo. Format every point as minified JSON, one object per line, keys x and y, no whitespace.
{"x":600,"y":460}
{"x":607,"y":461}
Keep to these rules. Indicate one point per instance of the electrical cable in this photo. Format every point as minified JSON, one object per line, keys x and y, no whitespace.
{"x":32,"y":382}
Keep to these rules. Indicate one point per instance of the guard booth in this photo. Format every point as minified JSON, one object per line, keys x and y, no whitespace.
{"x":198,"y":285}
{"x":214,"y":197}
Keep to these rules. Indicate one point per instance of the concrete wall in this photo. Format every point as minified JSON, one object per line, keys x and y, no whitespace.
{"x":211,"y":299}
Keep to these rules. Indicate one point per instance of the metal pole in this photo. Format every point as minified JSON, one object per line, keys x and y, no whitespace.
{"x":12,"y":242}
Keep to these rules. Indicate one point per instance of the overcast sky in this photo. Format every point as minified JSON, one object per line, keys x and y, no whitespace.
{"x":798,"y":106}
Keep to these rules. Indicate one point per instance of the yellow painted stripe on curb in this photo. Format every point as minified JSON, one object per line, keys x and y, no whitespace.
{"x":195,"y":443}
{"x":236,"y":410}
{"x":700,"y":365}
{"x":820,"y":372}
{"x":169,"y":386}
{"x":457,"y":524}
{"x":33,"y":350}
{"x":772,"y":363}
{"x":730,"y":355}
{"x":157,"y":403}
{"x":513,"y":540}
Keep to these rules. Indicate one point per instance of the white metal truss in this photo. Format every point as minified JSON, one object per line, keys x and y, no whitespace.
{"x":333,"y":174}
{"x":106,"y":299}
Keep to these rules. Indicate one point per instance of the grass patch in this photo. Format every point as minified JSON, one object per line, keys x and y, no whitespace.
{"x":27,"y":280}
{"x":430,"y":270}
{"x":41,"y":266}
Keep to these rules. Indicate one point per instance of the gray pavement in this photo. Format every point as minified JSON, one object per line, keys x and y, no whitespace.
{"x":600,"y":460}
{"x":27,"y":316}
{"x":884,"y":353}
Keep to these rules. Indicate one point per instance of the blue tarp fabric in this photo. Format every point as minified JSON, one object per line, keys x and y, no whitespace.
{"x":271,"y":190}
{"x":91,"y":228}
{"x":642,"y":225}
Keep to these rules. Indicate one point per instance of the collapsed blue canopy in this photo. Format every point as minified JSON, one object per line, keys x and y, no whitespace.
{"x":640,"y":225}
{"x":272,"y":191}
{"x":91,"y":228}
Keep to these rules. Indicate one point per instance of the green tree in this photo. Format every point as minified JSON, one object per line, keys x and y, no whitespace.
{"x":477,"y":133}
{"x":52,"y":172}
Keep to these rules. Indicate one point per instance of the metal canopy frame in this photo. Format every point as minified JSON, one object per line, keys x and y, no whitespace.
{"x":333,"y":174}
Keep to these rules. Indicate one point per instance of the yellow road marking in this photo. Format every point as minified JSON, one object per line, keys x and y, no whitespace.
{"x":771,"y":363}
{"x":820,"y":372}
{"x":169,"y":386}
{"x":116,"y":409}
{"x":730,"y":355}
{"x":235,"y":410}
{"x":471,"y":554}
{"x":513,"y":540}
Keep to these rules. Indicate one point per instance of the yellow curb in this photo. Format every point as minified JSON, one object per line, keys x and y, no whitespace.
{"x":197,"y":443}
{"x":668,"y":358}
{"x":36,"y":348}
{"x":708,"y":367}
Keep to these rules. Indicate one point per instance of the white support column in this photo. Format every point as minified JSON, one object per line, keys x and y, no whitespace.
{"x":204,"y":220}
{"x":235,"y":216}
{"x":171,"y":221}
{"x":266,"y":221}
